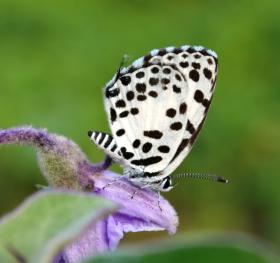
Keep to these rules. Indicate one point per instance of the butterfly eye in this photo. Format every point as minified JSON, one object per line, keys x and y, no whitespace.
{"x":166,"y":183}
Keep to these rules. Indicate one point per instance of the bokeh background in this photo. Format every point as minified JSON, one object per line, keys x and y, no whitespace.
{"x":55,"y":57}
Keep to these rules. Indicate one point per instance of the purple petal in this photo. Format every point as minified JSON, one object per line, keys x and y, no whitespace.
{"x":140,"y":213}
{"x":144,"y":204}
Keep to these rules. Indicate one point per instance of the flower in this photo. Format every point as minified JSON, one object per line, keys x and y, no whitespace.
{"x":64,"y":165}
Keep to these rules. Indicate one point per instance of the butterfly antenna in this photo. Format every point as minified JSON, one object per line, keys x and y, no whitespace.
{"x":208,"y":177}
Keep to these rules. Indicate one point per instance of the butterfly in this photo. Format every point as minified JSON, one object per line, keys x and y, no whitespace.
{"x":156,"y":108}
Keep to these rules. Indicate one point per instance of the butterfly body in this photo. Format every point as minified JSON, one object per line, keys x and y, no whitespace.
{"x":156,"y":108}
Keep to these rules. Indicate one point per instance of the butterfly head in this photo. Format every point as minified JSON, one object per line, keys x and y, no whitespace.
{"x":163,"y":185}
{"x":140,"y":178}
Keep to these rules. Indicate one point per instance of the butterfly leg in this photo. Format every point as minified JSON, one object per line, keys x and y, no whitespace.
{"x":158,"y":202}
{"x":133,"y":194}
{"x":107,"y":162}
{"x":158,"y":193}
{"x":111,"y":183}
{"x":104,"y":165}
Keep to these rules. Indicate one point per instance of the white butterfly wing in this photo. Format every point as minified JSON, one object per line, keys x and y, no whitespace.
{"x":157,"y":106}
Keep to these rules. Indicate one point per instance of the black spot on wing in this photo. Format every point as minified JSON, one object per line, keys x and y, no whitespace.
{"x":141,"y":87}
{"x":166,"y":70}
{"x":206,"y":103}
{"x":141,"y":97}
{"x":147,"y":147}
{"x":183,"y":108}
{"x":113,"y":115}
{"x":184,"y":64}
{"x":153,"y":94}
{"x":147,"y":161}
{"x":125,"y":80}
{"x":210,"y":61}
{"x":176,"y":89}
{"x":196,"y":65}
{"x":134,"y":111}
{"x":207,"y":73}
{"x":136,"y":143}
{"x":178,"y":77}
{"x":111,"y":92}
{"x":194,"y":75}
{"x":130,"y":95}
{"x":153,"y":81}
{"x":140,"y":74}
{"x":127,"y":155}
{"x":120,"y":132}
{"x":170,"y":57}
{"x":154,"y":134}
{"x":164,"y":148}
{"x":176,"y":126}
{"x":198,"y":96}
{"x":171,"y":113}
{"x":120,"y":104}
{"x":124,"y":114}
{"x":165,"y":81}
{"x":155,"y":70}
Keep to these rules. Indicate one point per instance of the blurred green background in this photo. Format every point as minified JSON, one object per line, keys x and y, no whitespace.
{"x":55,"y":57}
